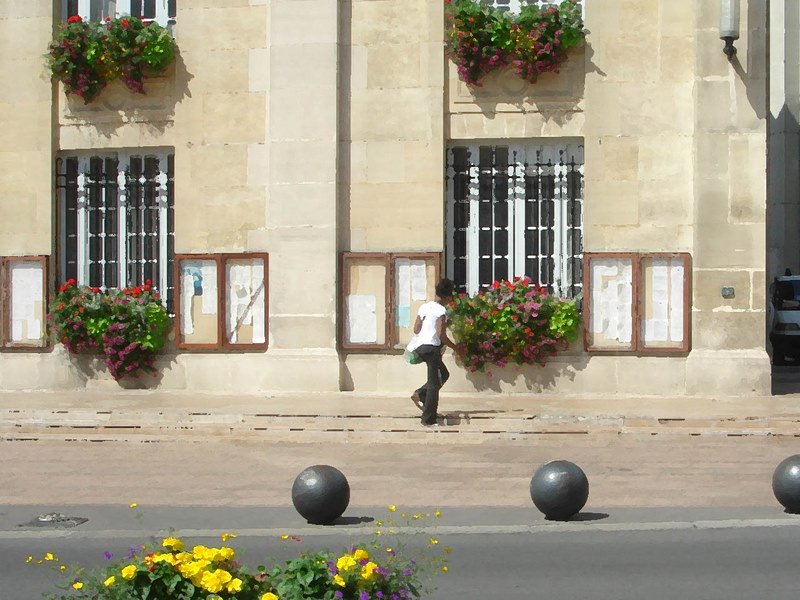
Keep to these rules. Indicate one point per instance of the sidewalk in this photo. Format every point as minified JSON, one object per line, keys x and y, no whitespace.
{"x":139,"y":415}
{"x":223,"y":450}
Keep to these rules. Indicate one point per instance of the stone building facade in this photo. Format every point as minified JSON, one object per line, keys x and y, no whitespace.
{"x":330,"y":135}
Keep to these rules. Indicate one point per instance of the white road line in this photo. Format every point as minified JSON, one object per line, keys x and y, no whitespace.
{"x":352,"y":530}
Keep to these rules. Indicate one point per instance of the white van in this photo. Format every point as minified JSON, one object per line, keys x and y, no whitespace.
{"x":784,"y":319}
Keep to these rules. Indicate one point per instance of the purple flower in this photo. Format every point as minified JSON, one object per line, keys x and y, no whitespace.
{"x":363,"y":595}
{"x":338,"y":595}
{"x":107,"y":555}
{"x":407,"y":572}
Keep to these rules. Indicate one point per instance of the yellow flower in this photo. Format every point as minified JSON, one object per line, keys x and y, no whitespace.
{"x":447,"y":549}
{"x":128,"y":572}
{"x":368,"y":571}
{"x":227,"y":553}
{"x":29,"y":559}
{"x":433,"y":541}
{"x":337,"y":579}
{"x":445,"y":569}
{"x":133,"y":505}
{"x":228,"y":535}
{"x":268,"y":596}
{"x":173,"y":544}
{"x":50,"y":556}
{"x":361,"y":554}
{"x":388,"y":549}
{"x":437,"y":514}
{"x":234,"y":585}
{"x":62,"y":568}
{"x":110,"y":581}
{"x":214,"y":582}
{"x":210,"y":582}
{"x":284,"y":537}
{"x":346,"y":563}
{"x":392,"y":508}
{"x":192,"y":568}
{"x":77,"y":585}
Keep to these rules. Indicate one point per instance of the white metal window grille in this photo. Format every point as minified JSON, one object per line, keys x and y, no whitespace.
{"x":116,"y":219}
{"x":161,"y":11}
{"x":515,"y":210}
{"x":513,"y":6}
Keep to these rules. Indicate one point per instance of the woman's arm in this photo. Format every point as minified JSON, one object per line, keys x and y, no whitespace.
{"x":417,"y":325}
{"x":441,"y":332}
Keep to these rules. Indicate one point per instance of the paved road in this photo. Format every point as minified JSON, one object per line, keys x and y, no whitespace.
{"x":628,"y":471}
{"x":504,"y":553}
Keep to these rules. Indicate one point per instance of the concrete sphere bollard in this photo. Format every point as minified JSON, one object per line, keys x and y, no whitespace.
{"x":321,"y":494}
{"x":559,"y":489}
{"x":786,"y":483}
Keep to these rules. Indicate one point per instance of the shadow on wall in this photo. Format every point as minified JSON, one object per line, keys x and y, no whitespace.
{"x":556,"y":96}
{"x":535,"y":378}
{"x":91,"y":367}
{"x":117,"y":106}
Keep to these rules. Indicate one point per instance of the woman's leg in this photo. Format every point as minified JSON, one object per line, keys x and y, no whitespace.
{"x":433,"y":360}
{"x":444,"y":374}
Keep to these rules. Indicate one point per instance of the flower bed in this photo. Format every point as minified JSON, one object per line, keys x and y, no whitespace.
{"x":512,"y":322}
{"x":86,"y":55}
{"x":481,"y":38}
{"x":169,"y":570}
{"x":127,"y":326}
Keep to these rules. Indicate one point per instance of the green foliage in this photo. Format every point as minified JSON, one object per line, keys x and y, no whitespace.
{"x":481,"y":38}
{"x":512,"y":322}
{"x":86,"y":55}
{"x":304,"y":577}
{"x":127,"y":326}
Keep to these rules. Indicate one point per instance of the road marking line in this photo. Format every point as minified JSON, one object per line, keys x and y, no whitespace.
{"x":361,"y":529}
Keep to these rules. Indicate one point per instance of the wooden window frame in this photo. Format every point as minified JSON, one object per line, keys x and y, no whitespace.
{"x":389,"y":259}
{"x":221,"y":260}
{"x":5,"y":303}
{"x":638,"y":346}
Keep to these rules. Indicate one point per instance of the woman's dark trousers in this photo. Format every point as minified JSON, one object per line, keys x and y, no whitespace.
{"x":437,"y":375}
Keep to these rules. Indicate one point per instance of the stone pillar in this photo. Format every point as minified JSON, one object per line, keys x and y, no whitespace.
{"x":302,"y":192}
{"x":728,"y":341}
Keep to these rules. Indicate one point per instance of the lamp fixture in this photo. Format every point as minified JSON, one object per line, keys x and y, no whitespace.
{"x":729,"y":26}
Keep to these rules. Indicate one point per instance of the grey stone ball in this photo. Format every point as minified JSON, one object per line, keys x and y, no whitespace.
{"x":559,"y":489}
{"x":321,"y":494}
{"x":786,"y":483}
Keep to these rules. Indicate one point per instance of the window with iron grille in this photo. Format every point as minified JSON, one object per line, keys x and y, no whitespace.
{"x":513,"y":6}
{"x":116,"y":219}
{"x":515,"y":210}
{"x":161,"y":11}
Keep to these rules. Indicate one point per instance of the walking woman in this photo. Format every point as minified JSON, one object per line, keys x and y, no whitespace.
{"x":431,"y":330}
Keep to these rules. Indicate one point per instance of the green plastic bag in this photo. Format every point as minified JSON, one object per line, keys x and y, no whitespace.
{"x":412,"y":358}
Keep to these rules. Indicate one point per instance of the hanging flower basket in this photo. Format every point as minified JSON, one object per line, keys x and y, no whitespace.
{"x":481,"y":38}
{"x":512,"y":322}
{"x":128,"y":327}
{"x":86,"y":55}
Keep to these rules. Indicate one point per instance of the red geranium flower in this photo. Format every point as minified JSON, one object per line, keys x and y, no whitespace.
{"x":75,"y":19}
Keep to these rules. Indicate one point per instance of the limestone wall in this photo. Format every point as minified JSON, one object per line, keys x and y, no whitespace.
{"x":25,"y":134}
{"x":305,"y":128}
